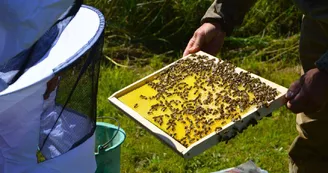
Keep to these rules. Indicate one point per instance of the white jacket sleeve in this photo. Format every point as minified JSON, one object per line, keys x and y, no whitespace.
{"x":23,"y":22}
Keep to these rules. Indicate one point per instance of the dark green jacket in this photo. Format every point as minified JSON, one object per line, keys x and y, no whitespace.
{"x":231,"y":12}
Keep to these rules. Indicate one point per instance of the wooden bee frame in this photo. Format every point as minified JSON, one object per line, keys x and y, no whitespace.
{"x":228,"y":131}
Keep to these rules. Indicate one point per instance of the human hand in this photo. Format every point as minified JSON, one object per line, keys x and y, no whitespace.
{"x":309,"y":94}
{"x":208,"y":38}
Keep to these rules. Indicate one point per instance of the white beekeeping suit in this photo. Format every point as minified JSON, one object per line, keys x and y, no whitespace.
{"x":22,"y":103}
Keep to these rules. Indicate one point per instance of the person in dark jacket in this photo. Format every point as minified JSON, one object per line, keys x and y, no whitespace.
{"x":307,"y":97}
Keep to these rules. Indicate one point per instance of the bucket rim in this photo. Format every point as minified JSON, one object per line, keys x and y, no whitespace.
{"x":111,"y":126}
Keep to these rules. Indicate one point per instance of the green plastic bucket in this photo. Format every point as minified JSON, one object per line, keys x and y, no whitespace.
{"x":108,"y":142}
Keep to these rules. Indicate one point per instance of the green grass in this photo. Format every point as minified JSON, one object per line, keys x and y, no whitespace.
{"x":147,"y":35}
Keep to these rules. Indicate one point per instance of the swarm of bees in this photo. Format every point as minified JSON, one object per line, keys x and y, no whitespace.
{"x":200,"y":96}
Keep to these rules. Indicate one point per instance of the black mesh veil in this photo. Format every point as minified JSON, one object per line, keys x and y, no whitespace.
{"x":70,"y":116}
{"x":73,"y":119}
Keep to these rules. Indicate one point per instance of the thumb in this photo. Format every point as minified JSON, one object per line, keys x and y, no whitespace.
{"x":198,"y":42}
{"x":294,"y":88}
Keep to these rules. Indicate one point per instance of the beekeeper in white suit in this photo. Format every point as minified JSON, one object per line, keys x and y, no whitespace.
{"x":23,"y":24}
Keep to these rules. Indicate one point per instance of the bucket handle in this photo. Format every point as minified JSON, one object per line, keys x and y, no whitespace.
{"x":105,"y":145}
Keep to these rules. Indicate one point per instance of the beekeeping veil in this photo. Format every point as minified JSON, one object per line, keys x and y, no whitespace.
{"x":49,"y":100}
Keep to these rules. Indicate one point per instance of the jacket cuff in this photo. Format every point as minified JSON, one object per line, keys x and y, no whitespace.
{"x":322,"y":63}
{"x":214,"y":15}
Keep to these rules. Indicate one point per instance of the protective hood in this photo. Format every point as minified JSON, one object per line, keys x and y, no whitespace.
{"x":25,"y":114}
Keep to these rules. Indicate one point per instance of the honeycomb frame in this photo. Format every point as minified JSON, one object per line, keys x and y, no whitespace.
{"x":228,"y":131}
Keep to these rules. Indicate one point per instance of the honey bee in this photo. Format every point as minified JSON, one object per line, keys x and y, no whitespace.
{"x":143,"y":97}
{"x":218,"y":129}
